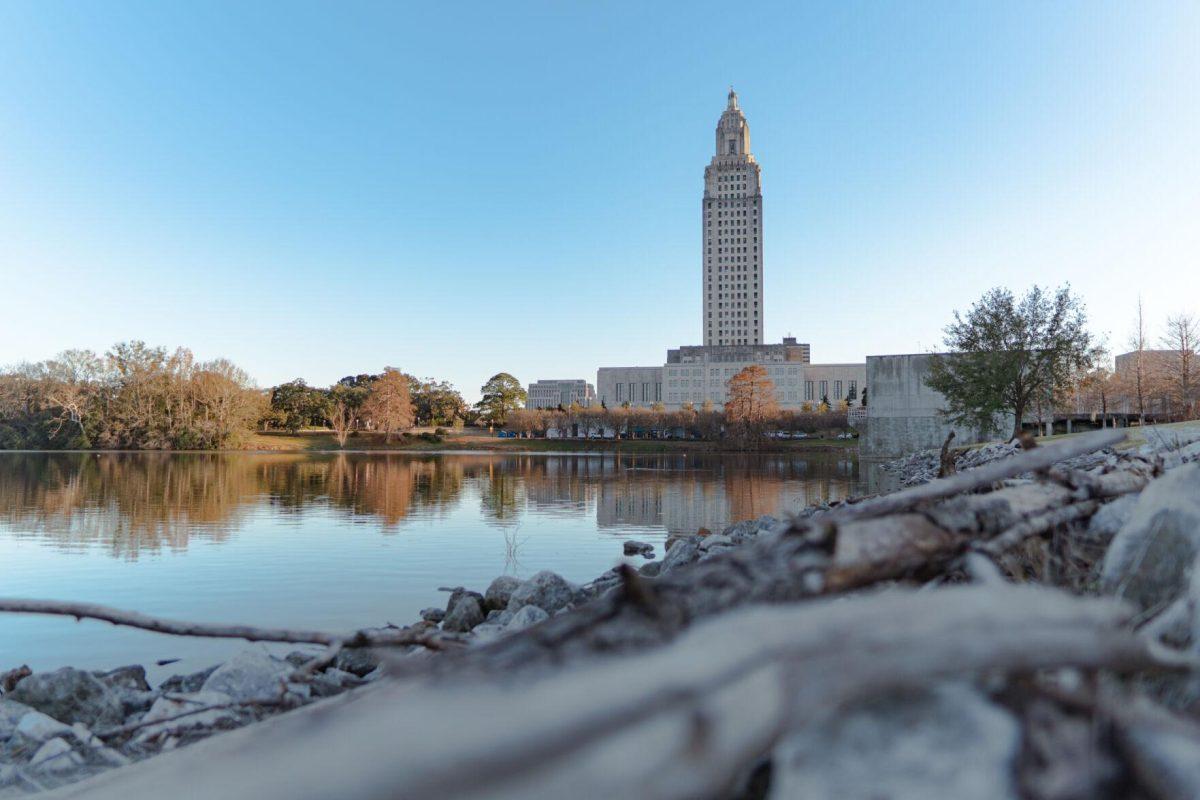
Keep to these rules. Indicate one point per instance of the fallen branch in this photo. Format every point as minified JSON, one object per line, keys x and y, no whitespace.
{"x":134,"y":619}
{"x":1035,"y":526}
{"x":1029,"y":461}
{"x":682,"y":721}
{"x":133,"y":727}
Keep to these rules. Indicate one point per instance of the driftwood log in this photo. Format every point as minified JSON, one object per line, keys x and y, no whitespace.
{"x":680,"y":721}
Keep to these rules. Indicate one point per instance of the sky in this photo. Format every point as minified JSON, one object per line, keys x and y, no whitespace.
{"x":322,"y":189}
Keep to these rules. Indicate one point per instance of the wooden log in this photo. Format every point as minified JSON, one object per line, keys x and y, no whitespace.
{"x":134,"y":619}
{"x":677,"y":722}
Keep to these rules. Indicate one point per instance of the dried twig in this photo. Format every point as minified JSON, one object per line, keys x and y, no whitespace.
{"x":134,"y":619}
{"x":1037,"y":525}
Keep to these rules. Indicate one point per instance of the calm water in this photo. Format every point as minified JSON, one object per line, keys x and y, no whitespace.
{"x":338,"y":541}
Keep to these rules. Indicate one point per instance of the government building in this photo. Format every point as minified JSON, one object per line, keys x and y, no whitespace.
{"x":563,"y":392}
{"x":732,"y":288}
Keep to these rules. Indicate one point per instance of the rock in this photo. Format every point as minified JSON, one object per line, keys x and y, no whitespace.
{"x":650,"y":569}
{"x":10,"y":714}
{"x":1151,"y":559}
{"x":465,"y":615}
{"x":945,"y":742}
{"x":458,"y":594}
{"x":1110,"y":518}
{"x":499,"y":592}
{"x":357,"y":661}
{"x":252,"y":674}
{"x":71,"y":695}
{"x":130,"y":678}
{"x":547,"y":590}
{"x":10,"y":679}
{"x":56,"y":755}
{"x":131,"y":686}
{"x":747,"y":529}
{"x":684,"y":551}
{"x":166,"y":710}
{"x":333,"y":680}
{"x":633,"y":547}
{"x":187,"y":683}
{"x":720,"y":540}
{"x":38,"y":727}
{"x":526,"y":617}
{"x":433,"y":614}
{"x":486,"y":632}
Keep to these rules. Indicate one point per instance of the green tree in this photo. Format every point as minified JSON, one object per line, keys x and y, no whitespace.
{"x":1006,"y":355}
{"x":436,"y":402}
{"x":296,"y":405}
{"x":501,"y":394}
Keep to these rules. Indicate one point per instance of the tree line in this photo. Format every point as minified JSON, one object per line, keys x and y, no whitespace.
{"x":138,"y":397}
{"x":132,"y":397}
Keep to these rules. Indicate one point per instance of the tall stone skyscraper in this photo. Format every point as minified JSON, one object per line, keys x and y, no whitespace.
{"x":733,"y":272}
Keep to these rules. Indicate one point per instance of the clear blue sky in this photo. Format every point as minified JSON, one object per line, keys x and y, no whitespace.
{"x":456,"y":189}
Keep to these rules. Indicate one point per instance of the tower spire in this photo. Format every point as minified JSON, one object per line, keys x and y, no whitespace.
{"x":732,"y":98}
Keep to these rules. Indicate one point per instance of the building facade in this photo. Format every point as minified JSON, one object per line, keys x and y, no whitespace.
{"x":559,"y":392}
{"x":697,"y":375}
{"x":640,"y":387}
{"x":732,"y":233}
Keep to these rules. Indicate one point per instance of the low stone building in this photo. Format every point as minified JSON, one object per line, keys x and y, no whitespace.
{"x":640,"y":387}
{"x":904,"y":414}
{"x":557,"y":392}
{"x":699,"y":374}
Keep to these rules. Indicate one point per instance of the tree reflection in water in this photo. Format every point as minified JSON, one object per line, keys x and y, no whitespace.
{"x":131,"y":503}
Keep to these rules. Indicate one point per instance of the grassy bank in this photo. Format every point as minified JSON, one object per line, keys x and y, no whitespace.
{"x":324,"y":441}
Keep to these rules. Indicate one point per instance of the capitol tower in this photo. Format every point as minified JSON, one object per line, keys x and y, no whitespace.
{"x":732,"y":243}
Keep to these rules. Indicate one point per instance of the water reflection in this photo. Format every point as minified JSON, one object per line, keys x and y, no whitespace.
{"x":147,"y":502}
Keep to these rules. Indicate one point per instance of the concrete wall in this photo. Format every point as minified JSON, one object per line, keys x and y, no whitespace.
{"x":641,"y":387}
{"x":902,"y":411}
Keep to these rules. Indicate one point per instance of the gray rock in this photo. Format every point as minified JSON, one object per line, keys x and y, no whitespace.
{"x":333,"y":680}
{"x":946,"y":742}
{"x":1110,"y":518}
{"x":38,"y":727}
{"x":187,"y":683}
{"x":465,"y":615}
{"x":10,"y":714}
{"x":433,"y":614}
{"x":130,"y":678}
{"x":633,"y":547}
{"x":719,"y":540}
{"x":1151,"y":559}
{"x":547,"y":590}
{"x":650,"y":569}
{"x":166,"y":711}
{"x":685,"y":550}
{"x":71,"y":695}
{"x":499,"y":592}
{"x":252,"y":674}
{"x":458,"y":594}
{"x":486,"y":632}
{"x":357,"y":661}
{"x":57,"y":756}
{"x":526,"y":617}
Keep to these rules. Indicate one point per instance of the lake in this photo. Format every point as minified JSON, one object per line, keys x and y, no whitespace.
{"x":339,"y":541}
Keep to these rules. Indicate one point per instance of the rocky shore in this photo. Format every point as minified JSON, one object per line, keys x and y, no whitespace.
{"x":1048,"y":720}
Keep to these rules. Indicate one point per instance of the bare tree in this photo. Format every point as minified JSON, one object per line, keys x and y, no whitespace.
{"x":389,"y":405}
{"x":752,"y":402}
{"x":1181,"y":340}
{"x":341,"y":418}
{"x":1139,"y":373}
